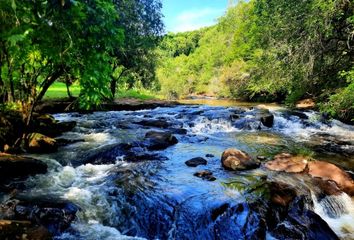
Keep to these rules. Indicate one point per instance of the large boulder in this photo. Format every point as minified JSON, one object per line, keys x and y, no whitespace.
{"x":39,"y":143}
{"x":330,"y":172}
{"x":286,"y":162}
{"x":12,"y":166}
{"x":234,"y":159}
{"x":159,"y":140}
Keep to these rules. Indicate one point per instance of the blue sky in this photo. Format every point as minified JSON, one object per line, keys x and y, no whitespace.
{"x":187,"y":15}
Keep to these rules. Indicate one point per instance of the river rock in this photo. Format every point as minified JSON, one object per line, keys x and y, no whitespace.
{"x":205,"y":175}
{"x":330,"y":172}
{"x":234,"y":159}
{"x":12,"y":166}
{"x":39,"y":143}
{"x":306,"y":104}
{"x":10,"y":229}
{"x":55,"y":215}
{"x":159,"y":140}
{"x":194,"y":162}
{"x":287,"y":163}
{"x":300,"y":222}
{"x":281,"y":194}
{"x":266,"y":118}
{"x":160,"y":123}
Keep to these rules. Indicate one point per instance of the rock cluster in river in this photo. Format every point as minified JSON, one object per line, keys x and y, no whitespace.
{"x":323,"y":171}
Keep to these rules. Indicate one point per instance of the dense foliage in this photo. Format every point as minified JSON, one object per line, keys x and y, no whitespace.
{"x":89,"y":41}
{"x":268,"y":50}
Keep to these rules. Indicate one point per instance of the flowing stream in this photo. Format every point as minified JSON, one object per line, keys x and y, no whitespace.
{"x":161,"y":199}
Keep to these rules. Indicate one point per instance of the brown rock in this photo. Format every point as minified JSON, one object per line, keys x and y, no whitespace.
{"x":306,"y":104}
{"x":13,"y":166}
{"x":39,"y":143}
{"x":287,"y":163}
{"x":330,"y":172}
{"x":281,"y":193}
{"x":235,"y":159}
{"x":205,"y":175}
{"x":12,"y":229}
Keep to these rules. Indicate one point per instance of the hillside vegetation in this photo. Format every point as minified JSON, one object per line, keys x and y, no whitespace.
{"x":274,"y":50}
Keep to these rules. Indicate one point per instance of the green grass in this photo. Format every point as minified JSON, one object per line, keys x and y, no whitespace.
{"x":58,"y":91}
{"x":142,"y":94}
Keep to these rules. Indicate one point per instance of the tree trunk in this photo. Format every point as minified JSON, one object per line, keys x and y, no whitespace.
{"x":68,"y":89}
{"x":114,"y":82}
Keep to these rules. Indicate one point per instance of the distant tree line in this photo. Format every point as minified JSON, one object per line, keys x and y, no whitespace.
{"x":268,"y":50}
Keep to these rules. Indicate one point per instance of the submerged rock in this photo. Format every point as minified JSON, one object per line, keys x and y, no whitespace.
{"x":159,"y":140}
{"x":234,"y":159}
{"x":12,"y":166}
{"x":205,"y":175}
{"x":161,"y":123}
{"x":194,"y":162}
{"x":39,"y":143}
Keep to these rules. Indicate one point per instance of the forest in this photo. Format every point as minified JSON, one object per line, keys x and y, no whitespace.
{"x":267,"y":50}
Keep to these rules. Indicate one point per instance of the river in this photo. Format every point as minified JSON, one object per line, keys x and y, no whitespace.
{"x":160,"y":198}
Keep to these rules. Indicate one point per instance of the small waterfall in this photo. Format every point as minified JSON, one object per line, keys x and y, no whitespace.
{"x":338,"y":212}
{"x":203,"y":125}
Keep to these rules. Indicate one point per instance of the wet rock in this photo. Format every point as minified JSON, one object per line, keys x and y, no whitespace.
{"x":209,"y":155}
{"x":64,"y":141}
{"x":10,"y":229}
{"x":159,"y":140}
{"x":12,"y":166}
{"x":247,"y":123}
{"x":329,"y":171}
{"x":194,"y":162}
{"x":287,"y":163}
{"x":55,"y":215}
{"x":281,"y":194}
{"x":180,"y":131}
{"x":39,"y":143}
{"x":140,"y":157}
{"x":327,"y":187}
{"x":205,"y":175}
{"x":262,"y":158}
{"x":161,"y":123}
{"x":234,"y":117}
{"x":234,"y":159}
{"x":300,"y":222}
{"x":266,"y":118}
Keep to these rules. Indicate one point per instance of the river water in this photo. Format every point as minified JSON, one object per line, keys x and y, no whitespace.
{"x":161,"y":199}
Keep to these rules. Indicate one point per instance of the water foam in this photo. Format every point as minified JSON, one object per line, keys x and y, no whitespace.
{"x":338,"y":212}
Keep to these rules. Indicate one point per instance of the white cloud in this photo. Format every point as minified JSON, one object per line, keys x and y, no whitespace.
{"x":195,"y":19}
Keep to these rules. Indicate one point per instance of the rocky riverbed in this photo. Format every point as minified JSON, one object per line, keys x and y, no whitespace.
{"x":184,"y":172}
